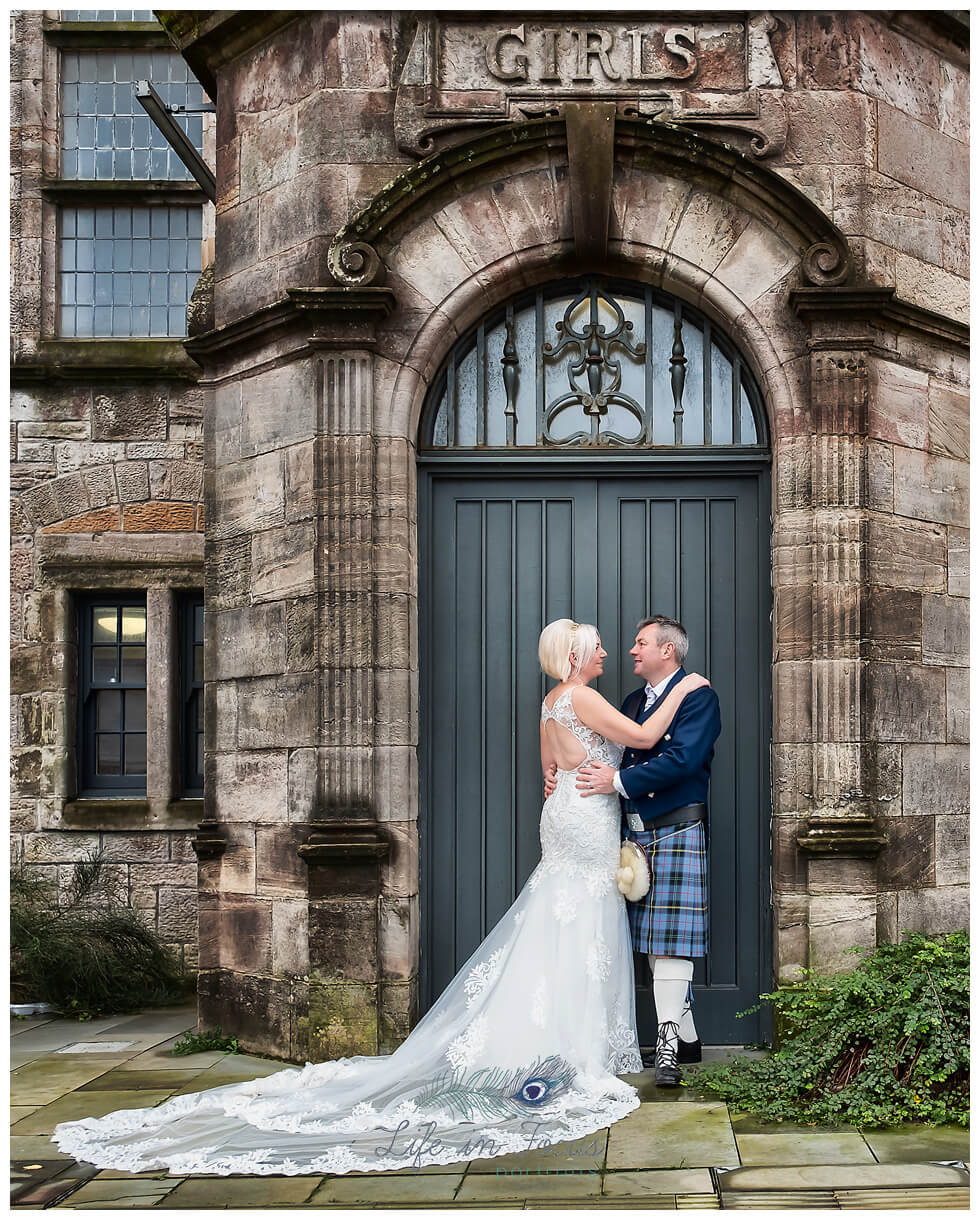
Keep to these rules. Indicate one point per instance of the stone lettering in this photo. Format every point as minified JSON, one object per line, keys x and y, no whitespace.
{"x":585,"y":53}
{"x":494,"y":64}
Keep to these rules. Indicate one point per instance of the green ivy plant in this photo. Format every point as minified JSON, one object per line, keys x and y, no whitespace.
{"x":208,"y":1040}
{"x":883,"y":1044}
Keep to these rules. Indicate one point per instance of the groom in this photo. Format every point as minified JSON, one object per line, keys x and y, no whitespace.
{"x":663,"y":793}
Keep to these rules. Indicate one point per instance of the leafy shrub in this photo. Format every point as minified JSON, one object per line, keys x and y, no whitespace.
{"x":885,"y":1043}
{"x":208,"y":1040}
{"x":90,"y":953}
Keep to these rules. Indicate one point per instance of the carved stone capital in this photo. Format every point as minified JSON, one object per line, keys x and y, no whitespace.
{"x":352,"y":840}
{"x":848,"y":835}
{"x":209,"y":843}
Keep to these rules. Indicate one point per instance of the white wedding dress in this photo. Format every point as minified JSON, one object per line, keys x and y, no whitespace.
{"x":520,"y":1051}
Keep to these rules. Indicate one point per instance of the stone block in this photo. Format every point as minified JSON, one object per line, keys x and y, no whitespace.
{"x":295,"y":211}
{"x":957,"y":705}
{"x":268,"y":152}
{"x":228,"y":572}
{"x":398,"y":934}
{"x":792,"y":701}
{"x":59,"y":847}
{"x":887,"y":919}
{"x":25,"y":771}
{"x":344,"y":939}
{"x":949,"y":420}
{"x":250,"y":786}
{"x":400,"y":868}
{"x":952,"y":849}
{"x":282,"y":561}
{"x":301,"y":634}
{"x":262,"y":1012}
{"x":958,"y":562}
{"x":898,"y":403}
{"x":398,"y":1015}
{"x":757,"y":262}
{"x":156,"y":517}
{"x":429,"y":263}
{"x":290,"y":951}
{"x":71,"y":495}
{"x":300,"y":494}
{"x":343,"y":1020}
{"x":277,"y":711}
{"x":247,"y":642}
{"x":908,"y":859}
{"x":301,"y":779}
{"x":249,"y":496}
{"x":923,"y":158}
{"x":243,"y":927}
{"x":176,"y":480}
{"x":932,"y":288}
{"x":955,"y":242}
{"x":236,"y":243}
{"x":138,"y":848}
{"x":73,"y":455}
{"x":905,"y":703}
{"x":182,"y":875}
{"x":945,"y":909}
{"x":892,"y":627}
{"x":278,"y":864}
{"x":904,"y":554}
{"x":840,"y":875}
{"x":177,"y":914}
{"x":473,"y":226}
{"x":21,"y":568}
{"x":133,"y":481}
{"x":227,"y":418}
{"x":278,"y":408}
{"x":832,"y":127}
{"x":36,"y":667}
{"x":138,"y":414}
{"x":838,"y":925}
{"x":869,"y":205}
{"x":936,"y":779}
{"x":100,"y":484}
{"x":945,"y":631}
{"x":708,"y":230}
{"x":236,"y":866}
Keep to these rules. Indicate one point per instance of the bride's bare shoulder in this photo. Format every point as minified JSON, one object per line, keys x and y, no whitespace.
{"x":585,"y":697}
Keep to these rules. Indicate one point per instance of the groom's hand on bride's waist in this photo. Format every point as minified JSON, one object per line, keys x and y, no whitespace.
{"x":594,"y":778}
{"x":550,"y":780}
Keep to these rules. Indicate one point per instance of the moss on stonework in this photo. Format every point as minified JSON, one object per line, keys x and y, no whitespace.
{"x":342,"y":1020}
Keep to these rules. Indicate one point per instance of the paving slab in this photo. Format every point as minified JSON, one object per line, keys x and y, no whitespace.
{"x":840,"y":1177}
{"x":752,"y":1124}
{"x":700,"y":1202}
{"x":19,"y":1112}
{"x":161,"y":1057}
{"x":87,"y":1105}
{"x":48,"y":1079}
{"x":913,"y":1142}
{"x":658,"y":1182}
{"x":587,"y":1153}
{"x":777,"y":1200}
{"x":654,"y":1203}
{"x":845,"y":1148}
{"x":663,"y":1135}
{"x":243,"y":1192}
{"x":645,"y":1084}
{"x":415,"y":1188}
{"x":101,"y":1193}
{"x":511,"y":1185}
{"x":32,"y":1148}
{"x":123,"y":1078}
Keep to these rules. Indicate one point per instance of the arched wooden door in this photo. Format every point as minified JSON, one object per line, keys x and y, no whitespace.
{"x":564,"y":471}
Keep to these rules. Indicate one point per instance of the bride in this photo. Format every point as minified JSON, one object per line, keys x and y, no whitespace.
{"x":521,"y":1050}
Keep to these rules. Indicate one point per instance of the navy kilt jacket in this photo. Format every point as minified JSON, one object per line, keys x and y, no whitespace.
{"x":672,"y":919}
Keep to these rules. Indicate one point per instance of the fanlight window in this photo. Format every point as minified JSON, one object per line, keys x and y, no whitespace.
{"x":593,"y":365}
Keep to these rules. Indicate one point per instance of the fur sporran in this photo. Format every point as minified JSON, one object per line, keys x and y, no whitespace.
{"x":633,"y":874}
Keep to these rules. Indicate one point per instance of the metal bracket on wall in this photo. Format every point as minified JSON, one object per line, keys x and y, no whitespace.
{"x":163,"y":117}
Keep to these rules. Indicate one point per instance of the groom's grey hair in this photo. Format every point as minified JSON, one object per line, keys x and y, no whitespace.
{"x":669,"y":631}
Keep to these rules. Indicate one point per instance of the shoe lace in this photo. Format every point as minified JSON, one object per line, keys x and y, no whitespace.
{"x":667,"y":1037}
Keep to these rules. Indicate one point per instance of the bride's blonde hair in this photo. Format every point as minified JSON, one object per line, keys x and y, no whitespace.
{"x":557,"y":643}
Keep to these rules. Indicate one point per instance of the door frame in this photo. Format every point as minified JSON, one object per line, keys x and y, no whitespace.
{"x":698,"y":463}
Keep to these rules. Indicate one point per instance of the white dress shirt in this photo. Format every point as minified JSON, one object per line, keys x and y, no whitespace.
{"x":653,"y":694}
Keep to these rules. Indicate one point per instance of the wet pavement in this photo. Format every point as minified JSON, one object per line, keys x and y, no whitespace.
{"x":680,"y":1149}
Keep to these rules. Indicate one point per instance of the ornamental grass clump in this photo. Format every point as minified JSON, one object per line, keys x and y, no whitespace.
{"x":86,"y":951}
{"x":883,"y":1044}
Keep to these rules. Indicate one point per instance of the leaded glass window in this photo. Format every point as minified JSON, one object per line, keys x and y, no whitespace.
{"x":127,"y":271}
{"x":594,"y":364}
{"x":106,"y":133}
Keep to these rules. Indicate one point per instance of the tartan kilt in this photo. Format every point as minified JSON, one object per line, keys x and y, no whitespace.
{"x":671,"y":920}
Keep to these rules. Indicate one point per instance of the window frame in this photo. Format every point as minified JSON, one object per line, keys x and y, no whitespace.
{"x":191,"y":692}
{"x":90,"y":783}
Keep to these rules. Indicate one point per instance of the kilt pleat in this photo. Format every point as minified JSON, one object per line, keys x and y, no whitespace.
{"x":672,"y":919}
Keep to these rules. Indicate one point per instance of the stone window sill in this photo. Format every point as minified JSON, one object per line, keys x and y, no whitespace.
{"x":125,"y":813}
{"x":96,"y":359}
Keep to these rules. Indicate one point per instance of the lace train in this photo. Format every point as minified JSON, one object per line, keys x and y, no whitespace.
{"x":522,"y":1049}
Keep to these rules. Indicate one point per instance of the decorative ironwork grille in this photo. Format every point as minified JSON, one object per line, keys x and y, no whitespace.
{"x":594,"y":364}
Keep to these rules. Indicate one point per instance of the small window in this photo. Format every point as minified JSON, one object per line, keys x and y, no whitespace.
{"x":112,"y":669}
{"x":192,"y":694}
{"x":127,"y":271}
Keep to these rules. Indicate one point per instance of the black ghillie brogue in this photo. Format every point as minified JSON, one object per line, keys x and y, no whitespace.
{"x":667,"y":1073}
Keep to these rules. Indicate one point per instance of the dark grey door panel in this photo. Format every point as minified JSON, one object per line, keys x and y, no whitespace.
{"x":501,"y":556}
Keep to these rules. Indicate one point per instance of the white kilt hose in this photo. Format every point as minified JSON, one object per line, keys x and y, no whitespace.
{"x":671,"y":920}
